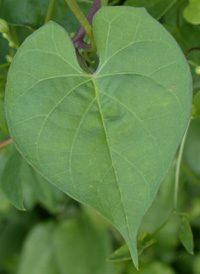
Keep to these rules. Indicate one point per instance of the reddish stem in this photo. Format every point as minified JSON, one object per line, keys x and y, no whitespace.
{"x":5,"y":143}
{"x":189,"y":50}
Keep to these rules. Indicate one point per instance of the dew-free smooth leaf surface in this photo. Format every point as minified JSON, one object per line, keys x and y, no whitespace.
{"x":79,"y":248}
{"x":11,"y":180}
{"x":107,"y":139}
{"x":192,"y":12}
{"x":185,"y":235}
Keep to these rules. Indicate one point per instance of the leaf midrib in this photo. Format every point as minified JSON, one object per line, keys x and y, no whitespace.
{"x":111,"y":157}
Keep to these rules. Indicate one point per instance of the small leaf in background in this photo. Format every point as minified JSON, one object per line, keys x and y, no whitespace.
{"x":191,"y":153}
{"x":38,"y":251}
{"x":154,"y":268}
{"x":12,"y":236}
{"x":79,"y":248}
{"x":38,"y":189}
{"x":5,"y":154}
{"x":123,"y":254}
{"x":196,"y":106}
{"x":32,"y":13}
{"x":3,"y":123}
{"x":186,"y":235}
{"x":196,"y":264}
{"x":11,"y":181}
{"x":157,"y":8}
{"x":24,"y":12}
{"x":4,"y":50}
{"x":144,"y":241}
{"x":192,"y":12}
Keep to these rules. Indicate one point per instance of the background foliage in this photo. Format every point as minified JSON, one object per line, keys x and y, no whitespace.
{"x":58,"y":235}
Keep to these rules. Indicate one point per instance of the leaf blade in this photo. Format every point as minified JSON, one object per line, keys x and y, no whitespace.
{"x":101,"y":138}
{"x":11,"y":181}
{"x":186,"y":236}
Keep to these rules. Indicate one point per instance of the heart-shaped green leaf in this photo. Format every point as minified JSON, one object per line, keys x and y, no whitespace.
{"x":107,"y":139}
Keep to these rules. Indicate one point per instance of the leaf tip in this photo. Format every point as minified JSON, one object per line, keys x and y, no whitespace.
{"x":134,"y":255}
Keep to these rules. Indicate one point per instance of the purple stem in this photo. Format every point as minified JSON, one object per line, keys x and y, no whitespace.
{"x":81,"y":32}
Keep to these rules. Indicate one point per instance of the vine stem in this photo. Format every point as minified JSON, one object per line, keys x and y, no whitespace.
{"x":81,"y":32}
{"x":50,"y":11}
{"x":178,"y":166}
{"x":193,"y":64}
{"x":5,"y":143}
{"x":191,"y":49}
{"x":82,"y":20}
{"x":5,"y":65}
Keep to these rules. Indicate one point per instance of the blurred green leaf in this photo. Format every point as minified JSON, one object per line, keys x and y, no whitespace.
{"x":192,"y":12}
{"x":196,"y":264}
{"x":24,"y":12}
{"x":63,"y":15}
{"x":196,"y":106}
{"x":4,"y":49}
{"x":32,"y":13}
{"x":153,"y":268}
{"x":187,"y":36}
{"x":185,"y":235}
{"x":38,"y":252}
{"x":11,"y":181}
{"x":11,"y":239}
{"x":144,"y":241}
{"x":37,"y":189}
{"x":157,"y":8}
{"x":3,"y":122}
{"x":5,"y":154}
{"x":81,"y":249}
{"x":191,"y":154}
{"x":123,"y":254}
{"x":20,"y":181}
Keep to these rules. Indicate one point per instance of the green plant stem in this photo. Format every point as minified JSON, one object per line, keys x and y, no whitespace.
{"x":82,"y":20}
{"x":5,"y":143}
{"x":182,"y":214}
{"x":166,"y":10}
{"x":50,"y":11}
{"x":5,"y":65}
{"x":193,"y":63}
{"x":178,"y":166}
